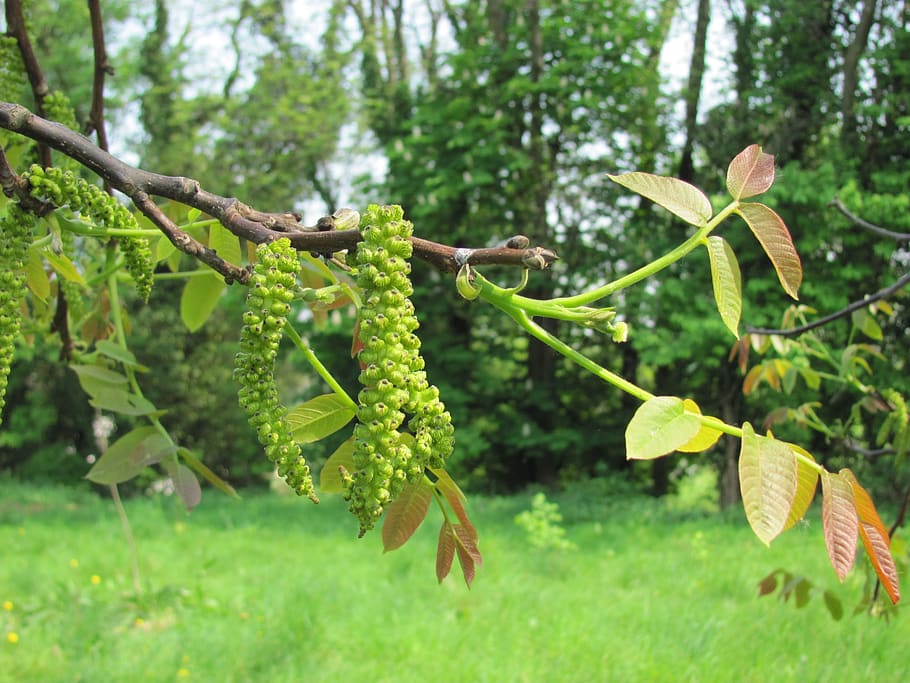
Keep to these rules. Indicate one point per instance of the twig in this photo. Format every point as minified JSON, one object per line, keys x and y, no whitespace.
{"x":240,"y":219}
{"x":15,"y":27}
{"x":847,"y":310}
{"x":872,"y":227}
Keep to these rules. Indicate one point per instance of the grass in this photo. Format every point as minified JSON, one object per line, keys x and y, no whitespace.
{"x":275,"y":589}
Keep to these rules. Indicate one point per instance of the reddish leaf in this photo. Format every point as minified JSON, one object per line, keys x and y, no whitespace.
{"x":453,"y":494}
{"x":406,"y":513}
{"x":445,"y":552}
{"x":468,"y":555}
{"x":185,"y":485}
{"x":750,"y":173}
{"x":357,"y":343}
{"x":875,"y":537}
{"x":768,"y":483}
{"x":839,"y":522}
{"x":775,"y":239}
{"x":768,"y":584}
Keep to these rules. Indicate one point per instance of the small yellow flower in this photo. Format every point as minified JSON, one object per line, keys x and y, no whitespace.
{"x":74,"y":563}
{"x":22,"y":531}
{"x":12,"y":637}
{"x":183,"y":673}
{"x":139,"y":621}
{"x":7,"y":605}
{"x":95,"y":579}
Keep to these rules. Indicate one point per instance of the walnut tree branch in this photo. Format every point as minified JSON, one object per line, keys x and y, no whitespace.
{"x":240,"y":219}
{"x":845,"y":311}
{"x":871,"y":227}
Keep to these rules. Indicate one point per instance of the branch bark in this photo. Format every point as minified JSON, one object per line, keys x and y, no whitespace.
{"x":240,"y":219}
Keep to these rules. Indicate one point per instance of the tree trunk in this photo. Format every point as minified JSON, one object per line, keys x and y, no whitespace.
{"x":851,"y":74}
{"x":693,"y":89}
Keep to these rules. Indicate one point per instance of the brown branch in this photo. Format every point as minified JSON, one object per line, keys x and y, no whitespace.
{"x":240,"y":219}
{"x":871,"y":227}
{"x":15,"y":27}
{"x":102,"y":69}
{"x":847,"y":310}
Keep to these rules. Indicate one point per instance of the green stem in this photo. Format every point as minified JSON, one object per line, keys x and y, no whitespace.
{"x":655,"y":266}
{"x":318,"y":366}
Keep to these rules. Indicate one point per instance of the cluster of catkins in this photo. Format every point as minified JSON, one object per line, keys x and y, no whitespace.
{"x":15,"y":236}
{"x":65,"y":188}
{"x":393,"y":377}
{"x":272,"y":285}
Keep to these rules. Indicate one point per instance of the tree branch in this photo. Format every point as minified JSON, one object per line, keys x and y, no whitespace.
{"x":15,"y":27}
{"x":871,"y":227}
{"x":847,"y":310}
{"x":240,"y":219}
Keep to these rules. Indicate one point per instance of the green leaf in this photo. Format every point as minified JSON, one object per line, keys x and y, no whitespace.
{"x":768,"y":482}
{"x":660,"y":426}
{"x":199,"y":298}
{"x":330,"y":476}
{"x":116,"y":352}
{"x":63,"y":266}
{"x":95,"y":379}
{"x":866,"y":323}
{"x":129,"y":455}
{"x":727,"y":282}
{"x":35,"y":275}
{"x":122,"y":401}
{"x":839,"y":522}
{"x":806,"y":483}
{"x":185,"y":483}
{"x":225,"y":244}
{"x":676,"y":196}
{"x":750,"y":173}
{"x":706,"y":436}
{"x":406,"y":513}
{"x":319,"y":417}
{"x":164,"y":248}
{"x":775,"y":239}
{"x":200,"y":467}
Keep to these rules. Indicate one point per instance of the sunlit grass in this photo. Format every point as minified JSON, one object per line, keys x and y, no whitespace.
{"x":276,"y":589}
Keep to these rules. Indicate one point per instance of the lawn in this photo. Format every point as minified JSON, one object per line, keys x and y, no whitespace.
{"x":273,"y":589}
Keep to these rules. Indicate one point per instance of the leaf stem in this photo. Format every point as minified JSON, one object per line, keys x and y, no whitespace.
{"x":695,"y":240}
{"x":317,"y":365}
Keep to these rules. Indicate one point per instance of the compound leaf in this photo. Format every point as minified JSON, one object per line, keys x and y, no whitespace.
{"x":839,"y":522}
{"x":676,"y":196}
{"x":750,"y":173}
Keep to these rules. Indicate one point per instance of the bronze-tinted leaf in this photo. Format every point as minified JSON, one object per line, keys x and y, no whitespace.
{"x":750,"y":173}
{"x":445,"y":551}
{"x":676,"y":196}
{"x":406,"y":513}
{"x":875,"y":537}
{"x":839,"y":522}
{"x":774,"y":237}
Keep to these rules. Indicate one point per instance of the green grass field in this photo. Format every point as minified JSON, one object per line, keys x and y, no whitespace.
{"x":275,"y":589}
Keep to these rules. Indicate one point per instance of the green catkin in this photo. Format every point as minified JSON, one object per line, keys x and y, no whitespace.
{"x":12,"y":71}
{"x":393,"y":377}
{"x":15,"y":235}
{"x":272,"y":284}
{"x":65,"y":188}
